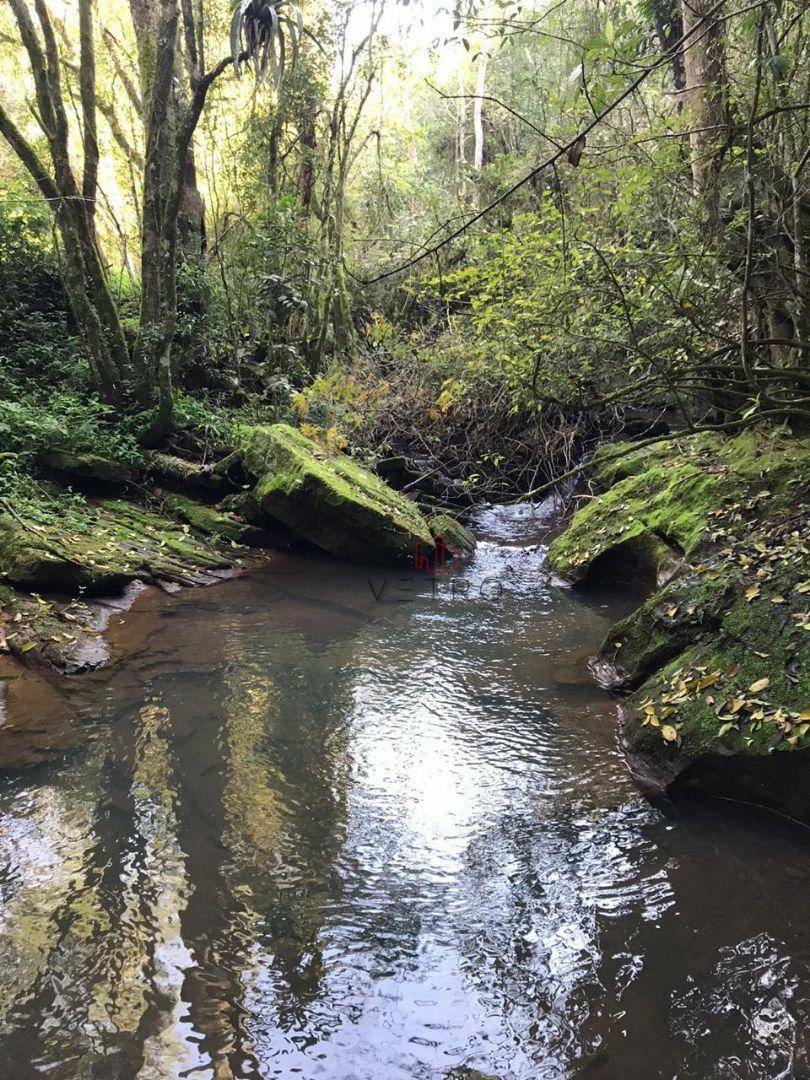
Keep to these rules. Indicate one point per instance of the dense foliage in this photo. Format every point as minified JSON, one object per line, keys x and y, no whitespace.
{"x":321,"y":258}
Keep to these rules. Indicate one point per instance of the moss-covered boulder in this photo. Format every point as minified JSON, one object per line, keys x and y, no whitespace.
{"x":458,"y":539}
{"x":718,"y":659}
{"x":652,"y":510}
{"x":86,"y":467}
{"x":329,"y":500}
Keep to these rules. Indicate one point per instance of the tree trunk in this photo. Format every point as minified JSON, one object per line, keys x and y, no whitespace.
{"x":669,"y":28}
{"x":191,"y":220}
{"x":478,"y":111}
{"x":307,"y":138}
{"x":461,"y":132}
{"x":85,"y":277}
{"x":706,"y":97}
{"x":157,"y":39}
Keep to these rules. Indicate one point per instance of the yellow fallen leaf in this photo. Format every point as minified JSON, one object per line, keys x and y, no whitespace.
{"x":669,"y":733}
{"x":760,"y":684}
{"x":751,"y":592}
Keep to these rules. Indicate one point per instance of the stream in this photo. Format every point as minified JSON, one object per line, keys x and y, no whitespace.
{"x":374,"y":825}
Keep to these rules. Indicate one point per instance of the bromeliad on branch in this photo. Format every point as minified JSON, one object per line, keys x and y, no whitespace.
{"x":259,"y":33}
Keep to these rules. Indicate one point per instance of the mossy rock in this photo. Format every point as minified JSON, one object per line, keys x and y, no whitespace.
{"x":87,"y":467}
{"x":650,"y":515}
{"x":55,"y":634}
{"x":730,"y":713}
{"x":457,"y":539}
{"x":329,"y":500}
{"x":719,"y":658}
{"x":99,"y":548}
{"x":211,"y":522}
{"x":685,"y":609}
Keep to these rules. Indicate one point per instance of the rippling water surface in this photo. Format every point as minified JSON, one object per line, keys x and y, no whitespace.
{"x":337,"y":823}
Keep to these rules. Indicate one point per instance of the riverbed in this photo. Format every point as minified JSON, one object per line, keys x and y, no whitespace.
{"x":341,"y":822}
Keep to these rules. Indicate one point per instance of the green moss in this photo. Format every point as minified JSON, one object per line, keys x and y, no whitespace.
{"x":716,"y":697}
{"x":725,"y":645}
{"x":213,"y":523}
{"x":668,"y":500}
{"x":330,"y":500}
{"x":672,"y":490}
{"x":99,"y":547}
{"x":86,"y":466}
{"x":456,"y":537}
{"x":688,"y":607}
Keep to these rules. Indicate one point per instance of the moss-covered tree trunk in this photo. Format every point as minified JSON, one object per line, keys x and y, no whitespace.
{"x":83,"y":269}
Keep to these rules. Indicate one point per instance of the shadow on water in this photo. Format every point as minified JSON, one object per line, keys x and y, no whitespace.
{"x":333,"y":822}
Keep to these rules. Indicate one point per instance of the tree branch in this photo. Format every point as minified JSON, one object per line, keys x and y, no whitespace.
{"x":27,"y":155}
{"x":665,"y":58}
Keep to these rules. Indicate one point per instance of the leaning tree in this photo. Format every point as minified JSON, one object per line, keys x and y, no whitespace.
{"x":175,"y":82}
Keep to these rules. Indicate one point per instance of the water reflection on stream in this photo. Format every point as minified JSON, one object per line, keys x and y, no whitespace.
{"x":370,"y":831}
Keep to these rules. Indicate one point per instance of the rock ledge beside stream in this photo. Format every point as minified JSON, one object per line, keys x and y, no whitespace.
{"x":716,"y":662}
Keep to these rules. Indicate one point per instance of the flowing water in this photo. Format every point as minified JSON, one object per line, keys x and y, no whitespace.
{"x":329,"y":822}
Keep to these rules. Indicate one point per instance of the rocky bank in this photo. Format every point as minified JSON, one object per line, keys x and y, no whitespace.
{"x":714,"y":667}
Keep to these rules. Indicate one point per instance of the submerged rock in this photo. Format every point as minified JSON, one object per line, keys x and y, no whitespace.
{"x":36,"y":722}
{"x":329,"y":500}
{"x":718,"y":659}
